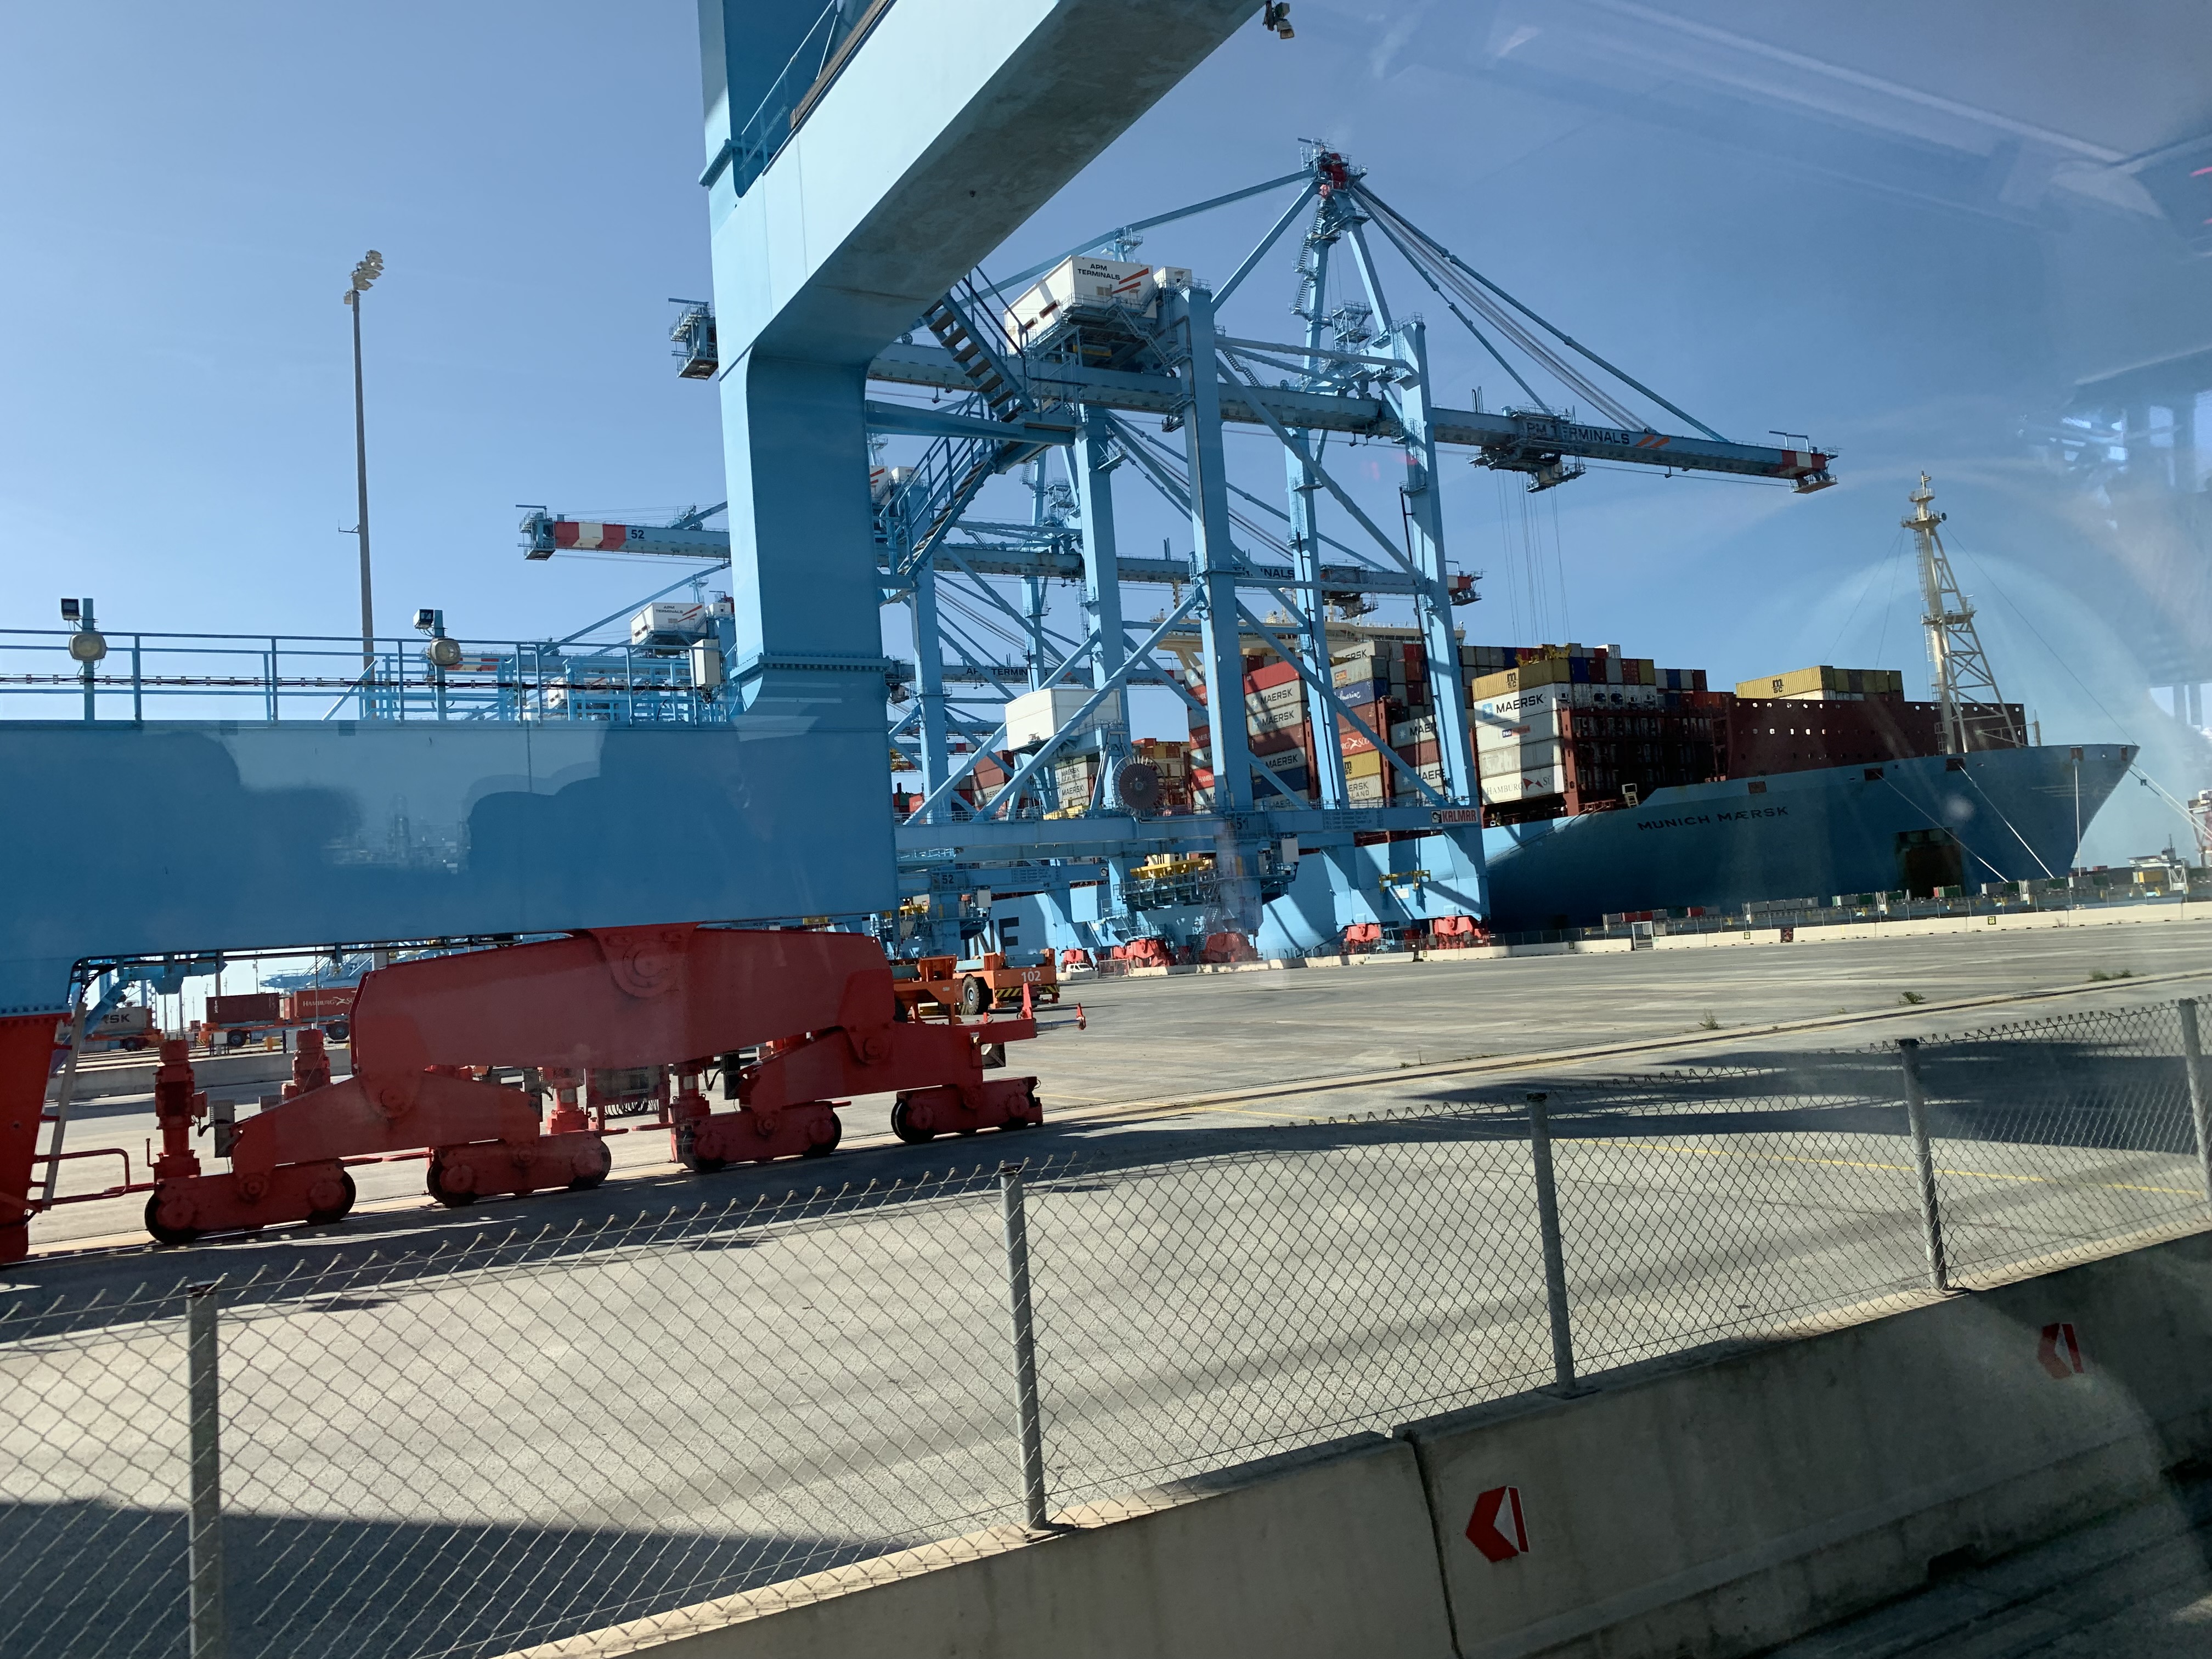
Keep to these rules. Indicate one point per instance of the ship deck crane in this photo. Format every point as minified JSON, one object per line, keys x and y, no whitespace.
{"x":1974,"y":712}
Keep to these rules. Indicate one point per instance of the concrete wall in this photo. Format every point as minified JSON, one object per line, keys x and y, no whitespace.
{"x":243,"y":1074}
{"x":1721,"y":1507}
{"x":1315,"y":1557}
{"x":1714,"y":1503}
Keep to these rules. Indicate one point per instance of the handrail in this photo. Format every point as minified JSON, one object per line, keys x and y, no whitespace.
{"x":751,"y":148}
{"x":501,"y":680}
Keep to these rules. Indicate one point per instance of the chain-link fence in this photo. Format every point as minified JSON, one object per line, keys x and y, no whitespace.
{"x":468,"y":1450}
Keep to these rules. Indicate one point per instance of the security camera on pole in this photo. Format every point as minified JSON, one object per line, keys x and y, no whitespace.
{"x":364,"y":274}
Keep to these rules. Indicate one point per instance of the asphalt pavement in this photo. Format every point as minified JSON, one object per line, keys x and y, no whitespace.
{"x":456,"y":1432}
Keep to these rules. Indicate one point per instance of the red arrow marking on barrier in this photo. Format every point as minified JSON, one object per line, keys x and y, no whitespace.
{"x":2060,"y":1351}
{"x":1498,"y":1543}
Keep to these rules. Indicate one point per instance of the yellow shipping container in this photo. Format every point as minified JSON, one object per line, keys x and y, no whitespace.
{"x":1548,"y":671}
{"x":1822,"y":680}
{"x":1366,"y":764}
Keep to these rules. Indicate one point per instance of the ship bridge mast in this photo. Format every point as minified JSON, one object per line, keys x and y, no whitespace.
{"x":1973,"y":711}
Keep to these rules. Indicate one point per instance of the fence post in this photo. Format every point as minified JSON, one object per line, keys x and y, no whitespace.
{"x":1025,"y":1379}
{"x":210,"y":1638}
{"x":1923,"y":1163}
{"x":2192,"y":1060}
{"x":1555,"y":1260}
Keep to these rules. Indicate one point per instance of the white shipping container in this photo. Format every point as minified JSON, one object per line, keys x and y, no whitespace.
{"x":1088,"y":282}
{"x":1525,"y":784}
{"x":1507,"y":722}
{"x":1368,"y":788}
{"x":1498,"y":718}
{"x":1035,"y":716}
{"x":1283,"y":760}
{"x":671,"y":625}
{"x":1422,"y":729}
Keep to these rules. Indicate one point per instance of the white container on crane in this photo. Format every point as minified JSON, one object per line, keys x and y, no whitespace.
{"x":671,"y":628}
{"x":1035,"y":716}
{"x":1086,"y":282}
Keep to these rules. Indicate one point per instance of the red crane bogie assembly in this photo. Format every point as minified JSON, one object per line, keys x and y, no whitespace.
{"x":818,"y":1007}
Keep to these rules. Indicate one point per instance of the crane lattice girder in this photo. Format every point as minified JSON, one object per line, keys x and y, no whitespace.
{"x":1516,"y":442}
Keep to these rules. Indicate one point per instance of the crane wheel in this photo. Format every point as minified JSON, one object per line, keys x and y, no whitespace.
{"x":584,"y":1180}
{"x":687,"y":1153}
{"x":339,"y":1211}
{"x":165,"y":1235}
{"x":974,"y":995}
{"x":824,"y":1148}
{"x":448,"y":1196}
{"x":902,"y":1126}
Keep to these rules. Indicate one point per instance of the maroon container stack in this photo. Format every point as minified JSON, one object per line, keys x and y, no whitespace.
{"x":245,"y":1008}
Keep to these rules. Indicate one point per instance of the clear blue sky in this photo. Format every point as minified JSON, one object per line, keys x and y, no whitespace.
{"x":1760,"y":224}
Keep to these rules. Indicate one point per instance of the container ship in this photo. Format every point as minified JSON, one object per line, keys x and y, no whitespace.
{"x":1607,"y":795}
{"x":1614,"y":789}
{"x":1611,"y":789}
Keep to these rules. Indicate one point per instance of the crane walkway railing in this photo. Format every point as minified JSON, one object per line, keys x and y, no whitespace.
{"x":274,"y":677}
{"x":823,"y":51}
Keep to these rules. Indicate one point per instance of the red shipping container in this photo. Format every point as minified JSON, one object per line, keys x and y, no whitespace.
{"x":321,"y":1002}
{"x":1275,"y":673}
{"x":246,"y":1008}
{"x":1379,"y":718}
{"x":1274,"y":742}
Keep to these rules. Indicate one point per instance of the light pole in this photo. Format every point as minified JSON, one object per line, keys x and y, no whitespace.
{"x":370,"y":268}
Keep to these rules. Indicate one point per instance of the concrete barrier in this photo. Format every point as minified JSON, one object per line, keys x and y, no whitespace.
{"x":1311,"y":1557}
{"x":1714,"y":1503}
{"x":2113,"y":915}
{"x":1720,"y":1506}
{"x":239,"y":1072}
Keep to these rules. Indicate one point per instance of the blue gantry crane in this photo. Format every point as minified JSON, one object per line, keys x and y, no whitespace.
{"x":391,"y":817}
{"x":507,"y":808}
{"x":1133,"y":384}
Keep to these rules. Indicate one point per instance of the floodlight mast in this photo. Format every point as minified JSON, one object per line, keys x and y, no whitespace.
{"x":364,"y":274}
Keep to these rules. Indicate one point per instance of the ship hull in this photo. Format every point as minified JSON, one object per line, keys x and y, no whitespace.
{"x":2004,"y":815}
{"x":2011,"y":814}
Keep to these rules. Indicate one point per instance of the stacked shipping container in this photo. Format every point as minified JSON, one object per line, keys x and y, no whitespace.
{"x":1568,"y":730}
{"x":1558,"y":730}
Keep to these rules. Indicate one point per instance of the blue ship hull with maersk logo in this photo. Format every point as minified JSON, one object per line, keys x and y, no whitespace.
{"x":1911,"y":825}
{"x":1915,"y":825}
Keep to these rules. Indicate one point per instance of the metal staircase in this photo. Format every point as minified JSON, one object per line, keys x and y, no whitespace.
{"x":930,"y":500}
